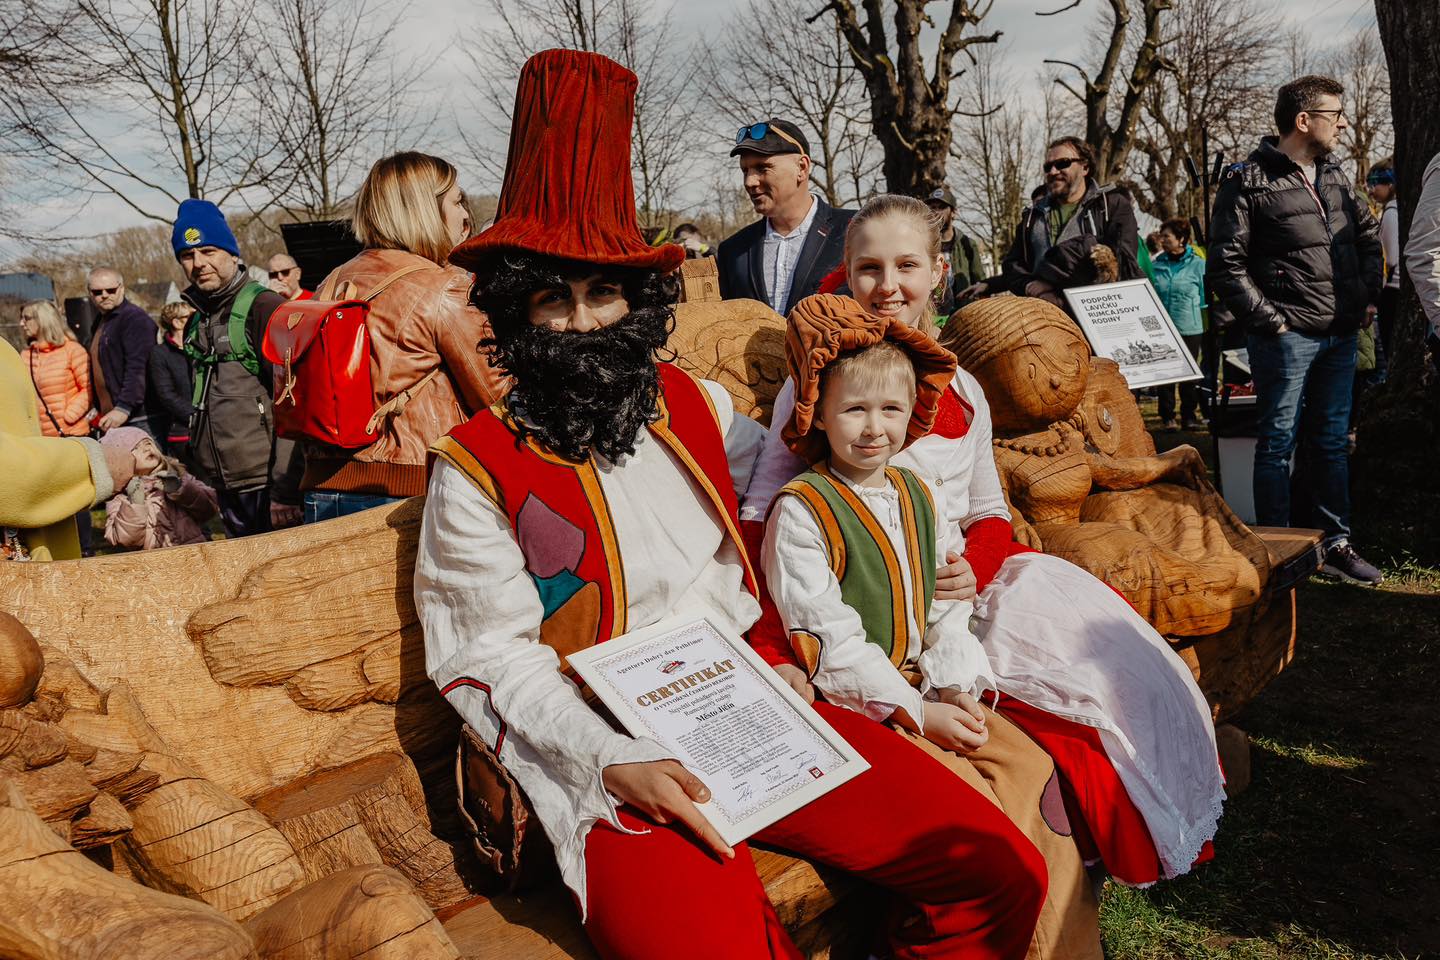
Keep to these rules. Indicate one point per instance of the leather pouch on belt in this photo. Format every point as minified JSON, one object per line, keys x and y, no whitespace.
{"x":497,"y":817}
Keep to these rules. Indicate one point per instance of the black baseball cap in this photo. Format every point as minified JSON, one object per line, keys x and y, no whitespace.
{"x":771,"y":137}
{"x":941,"y":194}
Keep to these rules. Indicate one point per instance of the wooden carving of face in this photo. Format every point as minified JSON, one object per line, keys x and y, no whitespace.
{"x":1032,"y":360}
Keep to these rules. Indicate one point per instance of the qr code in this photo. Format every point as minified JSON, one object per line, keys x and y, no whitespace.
{"x":1151,"y":324}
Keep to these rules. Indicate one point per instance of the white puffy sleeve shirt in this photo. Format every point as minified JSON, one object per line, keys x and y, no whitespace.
{"x":481,"y":616}
{"x":851,"y":671}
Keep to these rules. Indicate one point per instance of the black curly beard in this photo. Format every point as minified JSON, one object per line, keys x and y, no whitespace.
{"x":583,"y":393}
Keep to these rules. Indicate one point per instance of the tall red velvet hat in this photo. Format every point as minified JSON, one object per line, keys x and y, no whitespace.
{"x":567,"y":190}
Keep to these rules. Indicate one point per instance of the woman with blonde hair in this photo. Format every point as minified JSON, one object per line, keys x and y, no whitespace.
{"x":424,"y":334}
{"x":60,"y":374}
{"x":59,"y":368}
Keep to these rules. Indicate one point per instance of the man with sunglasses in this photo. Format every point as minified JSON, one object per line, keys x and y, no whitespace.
{"x":285,"y":278}
{"x":781,"y":258}
{"x":1295,"y":257}
{"x":119,"y":352}
{"x":1077,"y":233}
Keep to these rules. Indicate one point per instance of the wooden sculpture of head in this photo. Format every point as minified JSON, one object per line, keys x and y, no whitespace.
{"x":1030,"y":358}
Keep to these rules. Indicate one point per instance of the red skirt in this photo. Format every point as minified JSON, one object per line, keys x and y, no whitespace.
{"x":1107,"y":826}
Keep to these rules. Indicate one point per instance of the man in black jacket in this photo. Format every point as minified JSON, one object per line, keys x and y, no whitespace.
{"x":1295,"y":257}
{"x":1077,"y":233}
{"x":119,"y":351}
{"x":781,"y":258}
{"x":232,"y":439}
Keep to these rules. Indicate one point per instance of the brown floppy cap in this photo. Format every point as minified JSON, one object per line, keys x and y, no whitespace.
{"x":823,"y":327}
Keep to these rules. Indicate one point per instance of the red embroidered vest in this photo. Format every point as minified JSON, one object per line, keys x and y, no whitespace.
{"x":560,"y":515}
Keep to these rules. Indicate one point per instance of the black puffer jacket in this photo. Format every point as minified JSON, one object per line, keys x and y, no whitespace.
{"x":1276,"y":260}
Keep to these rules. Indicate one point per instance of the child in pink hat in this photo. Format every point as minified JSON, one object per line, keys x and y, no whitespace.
{"x":163,"y":506}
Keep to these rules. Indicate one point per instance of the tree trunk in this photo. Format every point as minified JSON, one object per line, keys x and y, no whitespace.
{"x":1410,"y":33}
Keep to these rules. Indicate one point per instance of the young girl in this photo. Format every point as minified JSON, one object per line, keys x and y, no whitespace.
{"x":1080,"y":671}
{"x":163,"y":506}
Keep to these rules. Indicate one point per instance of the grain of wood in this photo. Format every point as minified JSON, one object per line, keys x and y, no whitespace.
{"x":192,"y":838}
{"x":371,"y":912}
{"x":76,"y":910}
{"x":101,"y":824}
{"x":57,"y":792}
{"x":367,"y":811}
{"x":21,"y":662}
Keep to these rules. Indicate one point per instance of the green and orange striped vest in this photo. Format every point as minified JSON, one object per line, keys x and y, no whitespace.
{"x":864,"y":560}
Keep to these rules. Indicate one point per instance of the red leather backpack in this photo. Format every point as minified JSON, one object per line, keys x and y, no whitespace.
{"x":323,"y":390}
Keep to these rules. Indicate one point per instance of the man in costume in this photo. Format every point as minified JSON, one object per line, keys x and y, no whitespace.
{"x":600,"y":497}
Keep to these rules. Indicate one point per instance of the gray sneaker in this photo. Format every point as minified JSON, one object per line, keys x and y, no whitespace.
{"x":1342,"y":561}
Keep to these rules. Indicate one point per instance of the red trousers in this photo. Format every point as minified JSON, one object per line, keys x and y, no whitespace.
{"x":967,"y":882}
{"x":1106,"y":823}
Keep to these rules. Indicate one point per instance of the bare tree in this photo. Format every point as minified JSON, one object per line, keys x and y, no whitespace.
{"x":1359,"y":64}
{"x":996,"y":154}
{"x":911,"y":104}
{"x":341,"y":97}
{"x":628,"y":31}
{"x":801,"y":72}
{"x":1218,"y":85}
{"x":1112,"y":115}
{"x":170,"y":112}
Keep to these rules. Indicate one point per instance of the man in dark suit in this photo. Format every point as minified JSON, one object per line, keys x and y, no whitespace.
{"x":781,"y":258}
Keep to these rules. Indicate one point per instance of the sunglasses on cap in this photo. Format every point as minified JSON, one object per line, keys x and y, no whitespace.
{"x":104,"y":291}
{"x":758,"y":131}
{"x":1062,"y":164}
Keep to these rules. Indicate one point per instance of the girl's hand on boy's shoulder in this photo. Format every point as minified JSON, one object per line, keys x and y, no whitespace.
{"x":954,"y":727}
{"x":955,"y":580}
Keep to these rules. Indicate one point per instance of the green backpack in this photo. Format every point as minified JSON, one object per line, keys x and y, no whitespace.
{"x":245,"y":355}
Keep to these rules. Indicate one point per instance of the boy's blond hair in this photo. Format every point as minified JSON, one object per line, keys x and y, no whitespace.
{"x":871,"y":368}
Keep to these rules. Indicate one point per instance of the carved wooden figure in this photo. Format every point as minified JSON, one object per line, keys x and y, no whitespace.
{"x":740,"y":344}
{"x":1149,"y":525}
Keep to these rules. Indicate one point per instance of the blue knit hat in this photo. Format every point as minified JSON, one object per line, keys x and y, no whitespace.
{"x":199,"y":223}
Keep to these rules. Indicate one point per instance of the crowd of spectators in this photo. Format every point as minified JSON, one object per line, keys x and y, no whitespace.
{"x":1300,"y":261}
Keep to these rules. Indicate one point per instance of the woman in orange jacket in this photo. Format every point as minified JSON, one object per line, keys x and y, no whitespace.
{"x":59,"y":369}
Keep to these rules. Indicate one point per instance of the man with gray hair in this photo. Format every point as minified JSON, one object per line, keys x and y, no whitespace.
{"x":285,"y":278}
{"x":119,"y":352}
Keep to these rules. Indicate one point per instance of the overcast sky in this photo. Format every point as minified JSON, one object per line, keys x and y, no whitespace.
{"x":433,"y":31}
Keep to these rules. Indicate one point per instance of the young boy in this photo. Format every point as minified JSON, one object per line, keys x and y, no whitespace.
{"x":851,"y":546}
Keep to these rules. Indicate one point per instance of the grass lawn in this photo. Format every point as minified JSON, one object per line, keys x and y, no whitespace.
{"x":1333,"y":853}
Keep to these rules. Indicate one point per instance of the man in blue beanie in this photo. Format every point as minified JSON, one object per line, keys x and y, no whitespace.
{"x":232,"y":438}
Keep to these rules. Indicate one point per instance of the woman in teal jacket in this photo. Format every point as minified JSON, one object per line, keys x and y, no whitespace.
{"x":1180,"y":281}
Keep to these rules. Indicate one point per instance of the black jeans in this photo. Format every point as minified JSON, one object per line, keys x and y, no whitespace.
{"x":1189,"y":390}
{"x":244,"y":512}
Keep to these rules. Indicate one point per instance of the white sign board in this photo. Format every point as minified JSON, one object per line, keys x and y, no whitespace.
{"x":1126,"y":322}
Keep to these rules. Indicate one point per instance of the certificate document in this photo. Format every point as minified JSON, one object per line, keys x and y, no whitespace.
{"x":730,"y":719}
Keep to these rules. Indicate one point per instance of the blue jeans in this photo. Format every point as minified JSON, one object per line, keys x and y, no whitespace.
{"x":1303,"y":395}
{"x":330,"y":504}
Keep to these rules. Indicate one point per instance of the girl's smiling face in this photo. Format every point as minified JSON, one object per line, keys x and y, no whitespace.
{"x":890,"y":270}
